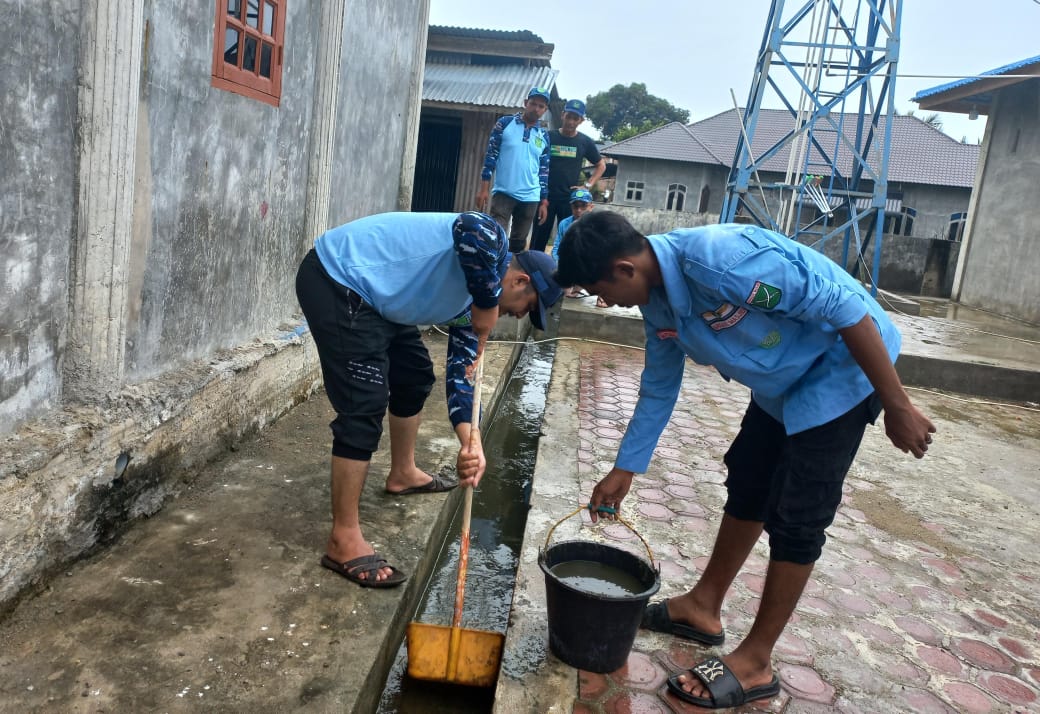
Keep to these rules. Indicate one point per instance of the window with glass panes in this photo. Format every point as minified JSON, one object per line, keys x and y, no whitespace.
{"x":247,"y":48}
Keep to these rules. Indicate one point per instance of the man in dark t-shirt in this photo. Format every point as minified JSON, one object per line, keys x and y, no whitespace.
{"x":568,"y":151}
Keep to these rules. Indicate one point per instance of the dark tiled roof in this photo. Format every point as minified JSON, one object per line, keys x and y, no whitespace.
{"x":515,"y":35}
{"x":918,"y":153}
{"x":674,"y":142}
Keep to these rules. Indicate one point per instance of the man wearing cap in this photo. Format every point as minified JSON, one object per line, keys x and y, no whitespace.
{"x":363,"y":289}
{"x":568,"y":151}
{"x":518,"y":156}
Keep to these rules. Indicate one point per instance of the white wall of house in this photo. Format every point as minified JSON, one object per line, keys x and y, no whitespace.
{"x":1001,"y":261}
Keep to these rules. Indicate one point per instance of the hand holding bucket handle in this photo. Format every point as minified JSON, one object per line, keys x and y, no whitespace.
{"x":617,"y":516}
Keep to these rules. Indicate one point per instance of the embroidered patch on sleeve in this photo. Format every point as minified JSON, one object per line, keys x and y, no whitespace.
{"x":764,"y":296}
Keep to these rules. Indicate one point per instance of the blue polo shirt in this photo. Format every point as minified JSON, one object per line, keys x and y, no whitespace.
{"x":414,"y":269}
{"x":518,"y":155}
{"x":763,"y":310}
{"x":407,"y":266}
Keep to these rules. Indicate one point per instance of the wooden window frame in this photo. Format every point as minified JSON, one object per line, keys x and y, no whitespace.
{"x":235,"y":79}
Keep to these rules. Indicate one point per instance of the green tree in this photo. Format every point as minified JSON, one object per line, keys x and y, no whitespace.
{"x":623,"y":111}
{"x":933,"y":120}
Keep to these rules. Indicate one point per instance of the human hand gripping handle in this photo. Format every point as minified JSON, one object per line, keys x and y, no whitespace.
{"x":610,"y":491}
{"x":471,"y":462}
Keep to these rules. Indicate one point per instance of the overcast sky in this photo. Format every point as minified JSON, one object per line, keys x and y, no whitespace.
{"x":692,"y":52}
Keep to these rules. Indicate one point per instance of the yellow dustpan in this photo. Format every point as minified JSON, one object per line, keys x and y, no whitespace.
{"x":455,"y":654}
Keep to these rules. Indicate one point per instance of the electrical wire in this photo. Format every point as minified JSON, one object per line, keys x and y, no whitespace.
{"x":643,"y":349}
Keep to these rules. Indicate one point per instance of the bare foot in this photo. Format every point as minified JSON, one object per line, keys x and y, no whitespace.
{"x":600,"y":302}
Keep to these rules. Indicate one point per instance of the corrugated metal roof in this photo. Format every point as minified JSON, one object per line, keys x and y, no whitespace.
{"x":484,"y":86}
{"x":516,"y":35}
{"x":1006,"y":69}
{"x":918,"y":154}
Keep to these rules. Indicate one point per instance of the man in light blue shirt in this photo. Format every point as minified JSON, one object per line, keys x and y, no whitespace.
{"x":817,"y":352}
{"x":364,"y":288}
{"x":518,"y":156}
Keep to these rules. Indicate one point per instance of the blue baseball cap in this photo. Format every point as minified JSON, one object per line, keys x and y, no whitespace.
{"x":539,"y":92}
{"x":575,"y":106}
{"x":581,"y":194}
{"x":540,"y":267}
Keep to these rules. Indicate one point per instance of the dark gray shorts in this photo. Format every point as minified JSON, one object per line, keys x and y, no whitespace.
{"x":793,"y":484}
{"x":368,"y":364}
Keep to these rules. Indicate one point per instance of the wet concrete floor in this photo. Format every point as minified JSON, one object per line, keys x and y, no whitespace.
{"x":925,"y":600}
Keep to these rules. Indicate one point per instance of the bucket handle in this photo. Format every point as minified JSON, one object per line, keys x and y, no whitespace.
{"x":612,"y":511}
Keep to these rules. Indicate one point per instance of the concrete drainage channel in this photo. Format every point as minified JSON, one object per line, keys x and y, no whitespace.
{"x":499,"y":516}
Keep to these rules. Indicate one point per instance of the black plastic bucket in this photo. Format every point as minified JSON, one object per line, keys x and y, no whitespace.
{"x":587,"y":630}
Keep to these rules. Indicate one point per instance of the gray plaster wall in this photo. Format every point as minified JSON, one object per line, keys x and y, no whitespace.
{"x":934,"y":206}
{"x":220,"y":193}
{"x":222,"y":190}
{"x":37,"y":201}
{"x":376,"y":80}
{"x":909,"y":265}
{"x":658,"y":174}
{"x":1002,"y":262}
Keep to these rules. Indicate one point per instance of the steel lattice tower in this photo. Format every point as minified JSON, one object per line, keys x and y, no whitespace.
{"x":832,"y":65}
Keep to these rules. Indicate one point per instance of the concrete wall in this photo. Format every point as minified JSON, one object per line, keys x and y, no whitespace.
{"x":652,"y":221}
{"x":909,"y":265}
{"x":657,"y":174}
{"x":1002,"y":262}
{"x":150,"y":230}
{"x":37,"y":201}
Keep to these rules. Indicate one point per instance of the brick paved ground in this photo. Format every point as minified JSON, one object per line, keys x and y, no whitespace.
{"x":925,"y":599}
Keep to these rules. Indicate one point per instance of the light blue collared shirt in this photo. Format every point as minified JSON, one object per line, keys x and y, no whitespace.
{"x":763,"y":310}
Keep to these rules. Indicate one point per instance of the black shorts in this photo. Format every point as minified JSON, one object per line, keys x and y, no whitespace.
{"x":368,"y":363}
{"x":793,"y":483}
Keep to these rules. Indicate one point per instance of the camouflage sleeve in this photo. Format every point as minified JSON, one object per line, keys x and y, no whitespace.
{"x":462,"y":351}
{"x":481,"y":245}
{"x":494,"y":144}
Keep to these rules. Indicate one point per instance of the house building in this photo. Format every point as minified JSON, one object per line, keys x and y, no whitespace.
{"x":999,"y":262}
{"x":472,"y":77}
{"x":164,"y":166}
{"x":685,"y":168}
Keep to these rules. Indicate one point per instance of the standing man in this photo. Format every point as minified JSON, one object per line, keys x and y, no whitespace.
{"x":518,"y":156}
{"x":817,"y":352}
{"x":363,"y":289}
{"x":568,"y":151}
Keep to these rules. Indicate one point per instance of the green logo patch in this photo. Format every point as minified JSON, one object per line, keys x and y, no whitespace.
{"x":771,"y":340}
{"x":764,"y":296}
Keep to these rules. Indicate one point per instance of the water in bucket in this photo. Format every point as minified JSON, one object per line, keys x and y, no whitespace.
{"x":597,"y":578}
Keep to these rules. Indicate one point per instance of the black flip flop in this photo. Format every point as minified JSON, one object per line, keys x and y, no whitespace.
{"x":656,"y":618}
{"x":439,"y":484}
{"x":722,"y":685}
{"x":367,"y":565}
